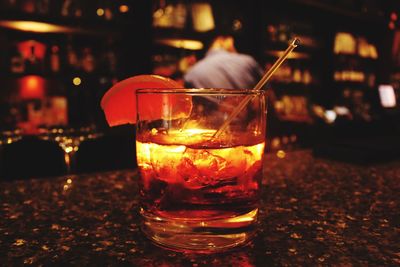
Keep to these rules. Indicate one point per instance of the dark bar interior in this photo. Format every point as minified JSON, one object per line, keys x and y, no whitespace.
{"x":331,"y":173}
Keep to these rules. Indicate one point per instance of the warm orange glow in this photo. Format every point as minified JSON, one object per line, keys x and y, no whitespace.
{"x":76,"y":81}
{"x":237,"y":25}
{"x":276,"y":142}
{"x":189,"y":136}
{"x":182,"y":43}
{"x":32,"y":82}
{"x":123,"y":8}
{"x":281,"y":154}
{"x":249,"y":217}
{"x":32,"y":87}
{"x":28,"y":6}
{"x":175,"y":160}
{"x":100,"y":12}
{"x":202,"y":17}
{"x":25,"y":48}
{"x":35,"y":26}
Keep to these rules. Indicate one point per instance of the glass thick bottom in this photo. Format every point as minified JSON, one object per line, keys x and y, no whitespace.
{"x":200,"y":235}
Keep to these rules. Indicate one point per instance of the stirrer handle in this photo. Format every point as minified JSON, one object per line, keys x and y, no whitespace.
{"x":259,"y":86}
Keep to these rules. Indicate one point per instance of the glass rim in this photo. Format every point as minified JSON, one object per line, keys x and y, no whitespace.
{"x":200,"y":91}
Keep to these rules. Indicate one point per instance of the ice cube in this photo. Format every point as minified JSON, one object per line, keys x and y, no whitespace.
{"x":165,"y":160}
{"x":207,"y":168}
{"x":189,"y":174}
{"x":199,"y":168}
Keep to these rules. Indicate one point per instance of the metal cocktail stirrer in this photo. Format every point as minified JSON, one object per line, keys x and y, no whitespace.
{"x":259,"y":85}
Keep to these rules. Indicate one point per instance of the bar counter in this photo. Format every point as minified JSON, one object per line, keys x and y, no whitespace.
{"x":314,"y":212}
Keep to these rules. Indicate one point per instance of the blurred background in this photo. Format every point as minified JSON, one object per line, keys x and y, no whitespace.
{"x":337,"y":94}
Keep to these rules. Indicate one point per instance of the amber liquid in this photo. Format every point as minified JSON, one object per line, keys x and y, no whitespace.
{"x":195,"y":192}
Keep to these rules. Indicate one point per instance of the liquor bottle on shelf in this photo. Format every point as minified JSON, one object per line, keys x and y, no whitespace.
{"x":370,"y":79}
{"x":180,"y":15}
{"x":307,"y":77}
{"x":88,"y":61}
{"x":108,"y":14}
{"x":55,"y":59}
{"x":72,"y":58}
{"x":66,"y":8}
{"x":17,"y":64}
{"x":297,"y":74}
{"x":272,"y":33}
{"x":163,"y":15}
{"x":33,"y":63}
{"x":284,"y":34}
{"x":78,"y":11}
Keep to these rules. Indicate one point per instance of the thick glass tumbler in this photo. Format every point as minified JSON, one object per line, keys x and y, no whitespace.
{"x":200,"y":191}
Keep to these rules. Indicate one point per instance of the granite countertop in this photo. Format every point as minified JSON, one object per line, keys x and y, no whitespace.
{"x":314,"y":212}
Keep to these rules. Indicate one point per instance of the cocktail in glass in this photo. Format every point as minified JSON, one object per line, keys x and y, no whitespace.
{"x":200,"y":190}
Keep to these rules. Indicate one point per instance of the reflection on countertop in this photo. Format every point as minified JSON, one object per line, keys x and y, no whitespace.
{"x":314,"y":212}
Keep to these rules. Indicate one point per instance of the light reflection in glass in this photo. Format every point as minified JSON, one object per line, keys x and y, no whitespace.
{"x":281,"y":154}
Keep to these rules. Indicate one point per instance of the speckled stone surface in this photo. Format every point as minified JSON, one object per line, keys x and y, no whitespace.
{"x":315,"y":212}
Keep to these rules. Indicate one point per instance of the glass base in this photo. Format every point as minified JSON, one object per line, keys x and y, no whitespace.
{"x":200,"y":236}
